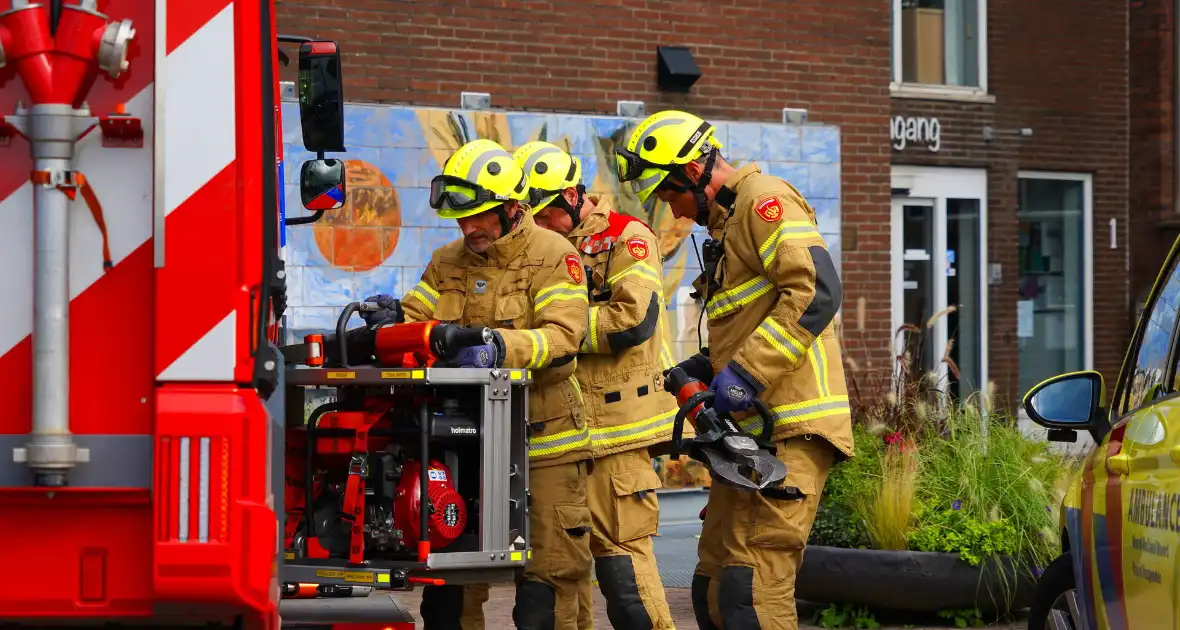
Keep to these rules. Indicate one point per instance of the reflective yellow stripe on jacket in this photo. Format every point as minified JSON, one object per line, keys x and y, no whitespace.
{"x":559,"y":292}
{"x":787,"y":231}
{"x":540,"y":356}
{"x":731,"y":300}
{"x":425,"y":294}
{"x":617,"y":434}
{"x":802,"y":411}
{"x":560,"y":443}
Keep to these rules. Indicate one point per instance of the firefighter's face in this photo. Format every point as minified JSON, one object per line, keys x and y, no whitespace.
{"x":480,"y":230}
{"x":683,"y":204}
{"x":552,"y":217}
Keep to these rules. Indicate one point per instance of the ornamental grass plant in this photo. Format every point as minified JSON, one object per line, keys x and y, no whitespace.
{"x":937,"y":473}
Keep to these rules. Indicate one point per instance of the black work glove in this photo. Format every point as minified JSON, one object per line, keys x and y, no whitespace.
{"x":389,"y":310}
{"x":697,"y":367}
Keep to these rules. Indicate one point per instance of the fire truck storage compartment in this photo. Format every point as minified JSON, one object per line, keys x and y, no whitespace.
{"x":363,"y":448}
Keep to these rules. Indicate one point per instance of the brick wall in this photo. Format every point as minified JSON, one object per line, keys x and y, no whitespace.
{"x":1059,"y":67}
{"x":756,"y":57}
{"x":1152,"y":67}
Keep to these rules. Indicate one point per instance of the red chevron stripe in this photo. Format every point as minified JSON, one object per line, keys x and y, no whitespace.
{"x":196,"y":287}
{"x":186,"y":17}
{"x":108,"y":322}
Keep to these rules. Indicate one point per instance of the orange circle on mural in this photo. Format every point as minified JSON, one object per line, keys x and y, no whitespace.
{"x":363,"y":233}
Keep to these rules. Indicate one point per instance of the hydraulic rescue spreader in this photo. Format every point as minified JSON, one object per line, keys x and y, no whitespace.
{"x":58,"y":66}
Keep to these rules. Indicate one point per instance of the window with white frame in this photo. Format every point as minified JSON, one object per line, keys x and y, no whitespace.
{"x":940,"y":44}
{"x":1055,"y":276}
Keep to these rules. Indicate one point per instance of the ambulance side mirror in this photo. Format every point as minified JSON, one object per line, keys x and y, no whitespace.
{"x":1067,"y":403}
{"x":321,"y":97}
{"x":321,"y":185}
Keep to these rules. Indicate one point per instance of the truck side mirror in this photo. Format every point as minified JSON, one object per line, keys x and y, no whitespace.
{"x":321,"y":184}
{"x":321,"y":97}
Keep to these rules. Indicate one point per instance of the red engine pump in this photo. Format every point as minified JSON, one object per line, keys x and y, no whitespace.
{"x":450,"y":512}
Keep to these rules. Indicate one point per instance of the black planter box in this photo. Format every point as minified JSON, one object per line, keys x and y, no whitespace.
{"x":912,"y":581}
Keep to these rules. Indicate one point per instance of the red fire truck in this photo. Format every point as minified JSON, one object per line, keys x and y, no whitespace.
{"x":159,"y":465}
{"x":140,"y":191}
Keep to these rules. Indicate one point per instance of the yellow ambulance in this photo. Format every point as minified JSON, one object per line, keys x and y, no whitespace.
{"x":1120,"y":519}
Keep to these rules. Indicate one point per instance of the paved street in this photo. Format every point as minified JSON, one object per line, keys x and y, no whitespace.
{"x":676,"y":550}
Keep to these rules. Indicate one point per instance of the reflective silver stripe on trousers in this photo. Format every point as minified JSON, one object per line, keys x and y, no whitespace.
{"x":116,"y":461}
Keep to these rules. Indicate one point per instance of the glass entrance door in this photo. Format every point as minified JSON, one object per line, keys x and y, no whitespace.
{"x":919,"y":299}
{"x":938,"y":277}
{"x":964,"y":289}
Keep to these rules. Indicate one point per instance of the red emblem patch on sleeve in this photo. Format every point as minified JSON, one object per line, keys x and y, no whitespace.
{"x":770,"y":210}
{"x":638,"y":248}
{"x":573,"y":265}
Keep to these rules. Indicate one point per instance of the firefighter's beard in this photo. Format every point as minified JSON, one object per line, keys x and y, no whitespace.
{"x":478,"y":241}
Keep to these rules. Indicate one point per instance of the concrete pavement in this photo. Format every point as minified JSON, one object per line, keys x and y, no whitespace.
{"x":676,"y":550}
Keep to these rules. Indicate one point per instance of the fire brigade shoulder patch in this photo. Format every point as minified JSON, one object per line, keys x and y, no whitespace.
{"x":770,"y":210}
{"x":638,"y":248}
{"x":573,"y":265}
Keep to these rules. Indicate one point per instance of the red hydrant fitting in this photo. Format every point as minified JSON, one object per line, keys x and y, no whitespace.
{"x":58,"y":70}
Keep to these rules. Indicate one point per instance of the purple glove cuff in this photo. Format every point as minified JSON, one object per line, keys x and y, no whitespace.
{"x":484,"y":356}
{"x":731,"y":391}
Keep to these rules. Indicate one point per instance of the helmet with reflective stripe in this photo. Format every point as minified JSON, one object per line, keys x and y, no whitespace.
{"x":480,"y":176}
{"x":661,"y":144}
{"x":550,"y":171}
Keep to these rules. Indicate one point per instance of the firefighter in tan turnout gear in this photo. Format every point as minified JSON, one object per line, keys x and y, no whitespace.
{"x":528,"y":285}
{"x":620,"y":369}
{"x":771,"y":299}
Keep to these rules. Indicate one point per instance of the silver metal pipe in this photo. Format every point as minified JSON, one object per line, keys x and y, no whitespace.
{"x":51,"y":451}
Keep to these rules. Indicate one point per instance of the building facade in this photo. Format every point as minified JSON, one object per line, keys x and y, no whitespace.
{"x":958,"y":152}
{"x":1154,"y":53}
{"x":1010,"y":185}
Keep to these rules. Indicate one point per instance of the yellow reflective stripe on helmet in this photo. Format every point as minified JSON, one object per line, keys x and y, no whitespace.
{"x":540,"y":152}
{"x":558,"y":292}
{"x":425,"y":294}
{"x":622,"y":433}
{"x":591,"y":342}
{"x":733,"y":299}
{"x":780,"y":340}
{"x":540,"y":355}
{"x":640,"y":269}
{"x":803,"y":411}
{"x":558,"y":443}
{"x":819,"y":365}
{"x":787,"y":231}
{"x":475,"y":169}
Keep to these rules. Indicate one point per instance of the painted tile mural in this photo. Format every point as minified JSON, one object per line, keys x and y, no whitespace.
{"x":382,"y":238}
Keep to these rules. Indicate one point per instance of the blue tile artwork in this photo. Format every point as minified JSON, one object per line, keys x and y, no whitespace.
{"x":821,"y":144}
{"x":382,"y":239}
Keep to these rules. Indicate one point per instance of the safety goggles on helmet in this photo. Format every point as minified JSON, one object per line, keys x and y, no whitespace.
{"x":629,"y":166}
{"x":456,"y":193}
{"x":537,"y":195}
